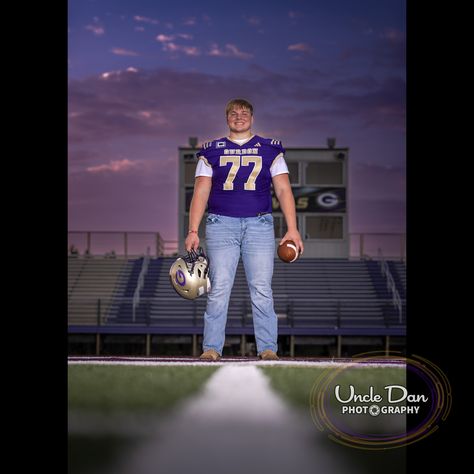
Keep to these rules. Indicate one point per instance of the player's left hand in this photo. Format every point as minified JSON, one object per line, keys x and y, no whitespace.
{"x":295,"y":236}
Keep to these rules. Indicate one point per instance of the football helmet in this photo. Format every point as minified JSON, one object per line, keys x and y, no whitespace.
{"x":189,"y":274}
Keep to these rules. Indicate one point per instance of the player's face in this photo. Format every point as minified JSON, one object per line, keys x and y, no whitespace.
{"x":239,"y":120}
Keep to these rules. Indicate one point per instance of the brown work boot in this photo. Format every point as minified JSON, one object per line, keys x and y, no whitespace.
{"x":268,"y":355}
{"x":210,"y":354}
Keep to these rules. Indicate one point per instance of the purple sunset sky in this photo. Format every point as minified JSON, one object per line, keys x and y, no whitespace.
{"x":146,"y":75}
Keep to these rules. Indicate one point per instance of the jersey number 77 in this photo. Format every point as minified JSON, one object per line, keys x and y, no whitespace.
{"x":237,"y":162}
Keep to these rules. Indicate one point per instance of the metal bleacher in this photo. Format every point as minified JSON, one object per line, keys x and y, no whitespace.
{"x":92,"y":284}
{"x":311,"y":296}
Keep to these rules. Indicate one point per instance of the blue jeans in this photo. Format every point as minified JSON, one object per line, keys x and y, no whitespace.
{"x":227,"y":239}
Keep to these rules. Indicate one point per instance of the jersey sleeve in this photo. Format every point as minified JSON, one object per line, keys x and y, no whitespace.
{"x":276,"y":144}
{"x":279,"y":166}
{"x":203,"y":168}
{"x":204,"y":149}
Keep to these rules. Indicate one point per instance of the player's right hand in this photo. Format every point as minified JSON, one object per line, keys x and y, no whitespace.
{"x":191,"y":242}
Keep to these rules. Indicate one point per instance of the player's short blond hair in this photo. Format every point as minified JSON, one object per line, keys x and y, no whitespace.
{"x":240,"y":103}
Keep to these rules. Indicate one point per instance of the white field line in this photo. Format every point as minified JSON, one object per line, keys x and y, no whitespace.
{"x":142,"y":362}
{"x":236,"y":424}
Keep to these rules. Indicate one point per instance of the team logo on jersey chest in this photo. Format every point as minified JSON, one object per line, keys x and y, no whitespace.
{"x":220,"y":144}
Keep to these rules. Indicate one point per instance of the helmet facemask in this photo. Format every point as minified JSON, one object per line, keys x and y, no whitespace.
{"x":189,"y":274}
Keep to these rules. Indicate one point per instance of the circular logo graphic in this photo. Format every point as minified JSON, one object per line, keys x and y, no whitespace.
{"x":380,"y":401}
{"x":180,"y":278}
{"x":374,"y":410}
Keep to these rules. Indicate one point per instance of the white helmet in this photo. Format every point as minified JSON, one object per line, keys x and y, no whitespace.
{"x":189,"y":275}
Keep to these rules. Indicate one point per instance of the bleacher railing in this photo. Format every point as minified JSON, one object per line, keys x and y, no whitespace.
{"x":112,"y":311}
{"x":365,"y":245}
{"x":140,"y":283}
{"x":122,"y":244}
{"x":396,"y":300}
{"x":118,"y":244}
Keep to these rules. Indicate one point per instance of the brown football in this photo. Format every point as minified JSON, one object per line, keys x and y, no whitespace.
{"x":287,"y":251}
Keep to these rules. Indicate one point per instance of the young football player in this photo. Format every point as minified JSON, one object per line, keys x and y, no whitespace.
{"x":234,"y":175}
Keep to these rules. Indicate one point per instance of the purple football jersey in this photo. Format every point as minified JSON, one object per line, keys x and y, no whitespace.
{"x":241,"y":177}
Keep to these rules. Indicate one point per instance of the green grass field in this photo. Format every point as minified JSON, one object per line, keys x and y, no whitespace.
{"x":106,"y":392}
{"x":108,"y":388}
{"x":101,"y":392}
{"x":295,"y":383}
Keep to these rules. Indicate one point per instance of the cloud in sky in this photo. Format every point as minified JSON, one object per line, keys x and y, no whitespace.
{"x":229,"y":50}
{"x":301,"y":47}
{"x":141,"y":198}
{"x":108,"y":107}
{"x":188,"y":50}
{"x":191,"y":21}
{"x":167,"y":38}
{"x":110,"y":75}
{"x":298,"y":106}
{"x":114,"y":166}
{"x":170,"y":46}
{"x":96,"y":29}
{"x":123,"y":52}
{"x":144,"y":19}
{"x":164,"y":38}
